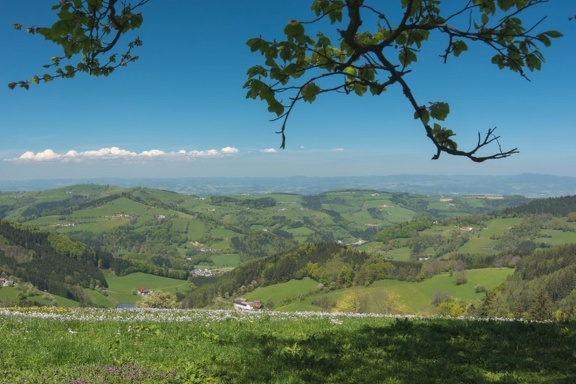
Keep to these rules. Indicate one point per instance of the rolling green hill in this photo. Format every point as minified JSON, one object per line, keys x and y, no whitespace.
{"x":342,"y":241}
{"x":171,"y":230}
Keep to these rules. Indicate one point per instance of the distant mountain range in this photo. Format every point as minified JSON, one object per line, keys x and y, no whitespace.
{"x":528,"y":185}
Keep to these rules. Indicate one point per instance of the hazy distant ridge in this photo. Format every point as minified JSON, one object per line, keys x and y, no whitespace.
{"x":529,"y":185}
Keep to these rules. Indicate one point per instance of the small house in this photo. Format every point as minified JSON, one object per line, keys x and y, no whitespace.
{"x":245,"y":305}
{"x":143,"y":291}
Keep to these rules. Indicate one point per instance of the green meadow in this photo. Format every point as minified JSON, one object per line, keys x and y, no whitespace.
{"x":415,"y":297}
{"x":123,"y":290}
{"x":175,"y":346}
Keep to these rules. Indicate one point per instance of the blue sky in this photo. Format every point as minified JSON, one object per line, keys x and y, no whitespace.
{"x":180,"y":111}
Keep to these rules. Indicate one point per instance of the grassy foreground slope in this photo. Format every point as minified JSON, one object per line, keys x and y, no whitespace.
{"x":88,"y":346}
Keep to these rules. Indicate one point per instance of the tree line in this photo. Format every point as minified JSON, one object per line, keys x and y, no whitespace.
{"x":61,"y":266}
{"x":331,"y":264}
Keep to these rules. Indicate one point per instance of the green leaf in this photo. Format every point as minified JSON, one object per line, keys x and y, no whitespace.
{"x":335,"y":11}
{"x":257,"y":70}
{"x":350,"y":71}
{"x":294,"y":30}
{"x":533,"y":62}
{"x":332,"y":8}
{"x":293,"y":70}
{"x":254,"y":86}
{"x":323,"y":41}
{"x":12,"y":85}
{"x":485,"y":19}
{"x":375,"y":90}
{"x":360,"y":89}
{"x":459,"y":47}
{"x":254,"y":44}
{"x":498,"y":60}
{"x":136,"y":21}
{"x":60,"y":28}
{"x":505,"y":4}
{"x":422,"y":114}
{"x":401,"y":39}
{"x":317,"y":6}
{"x":310,"y":91}
{"x":407,"y":56}
{"x":544,"y":39}
{"x":439,"y":110}
{"x":553,"y":34}
{"x":275,"y":107}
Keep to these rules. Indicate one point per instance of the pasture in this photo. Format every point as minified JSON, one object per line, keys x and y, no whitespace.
{"x":416,"y":297}
{"x":123,"y":289}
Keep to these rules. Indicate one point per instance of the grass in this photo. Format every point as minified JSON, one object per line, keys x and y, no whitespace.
{"x":557,"y":237}
{"x":139,"y":279}
{"x":281,"y":293}
{"x":225,"y":261}
{"x":12,"y":295}
{"x":87,"y":346}
{"x":417,"y":297}
{"x":122,"y":289}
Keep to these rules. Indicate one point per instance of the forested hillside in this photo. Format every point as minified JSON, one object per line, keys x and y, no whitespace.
{"x":51,"y":262}
{"x":56,"y":264}
{"x":542,"y":287}
{"x":557,"y":206}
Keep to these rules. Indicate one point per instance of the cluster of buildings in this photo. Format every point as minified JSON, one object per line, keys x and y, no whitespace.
{"x":4,"y":282}
{"x":203,"y":272}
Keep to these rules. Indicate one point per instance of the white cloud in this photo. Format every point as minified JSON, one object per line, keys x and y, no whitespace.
{"x":45,"y":155}
{"x":108,"y":153}
{"x":153,"y":153}
{"x":208,"y":152}
{"x":269,"y":150}
{"x":118,"y":153}
{"x":338,"y":149}
{"x":229,"y":150}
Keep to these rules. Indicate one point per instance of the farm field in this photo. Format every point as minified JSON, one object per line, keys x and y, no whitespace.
{"x":416,"y":297}
{"x":123,"y":289}
{"x":175,"y":346}
{"x":13,"y":294}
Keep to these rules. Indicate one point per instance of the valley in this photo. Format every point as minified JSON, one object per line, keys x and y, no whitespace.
{"x":347,"y":250}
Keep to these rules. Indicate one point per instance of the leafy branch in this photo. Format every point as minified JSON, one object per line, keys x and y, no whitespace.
{"x":352,"y":60}
{"x":89,"y":29}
